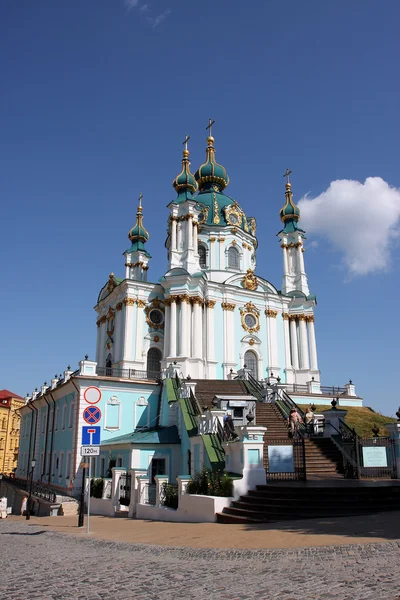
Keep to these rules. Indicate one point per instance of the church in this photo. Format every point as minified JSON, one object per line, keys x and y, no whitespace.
{"x":208,"y":335}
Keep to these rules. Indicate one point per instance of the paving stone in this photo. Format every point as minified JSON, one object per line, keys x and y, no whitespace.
{"x":48,"y":565}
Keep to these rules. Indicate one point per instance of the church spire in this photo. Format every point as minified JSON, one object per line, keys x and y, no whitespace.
{"x":211,"y":175}
{"x":185,"y":183}
{"x":290,"y":213}
{"x":137,"y":257}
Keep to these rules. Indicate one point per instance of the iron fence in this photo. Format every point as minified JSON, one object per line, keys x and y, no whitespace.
{"x":127,"y":373}
{"x":39,"y":490}
{"x":377,"y":457}
{"x":285,"y":466}
{"x":125,"y":488}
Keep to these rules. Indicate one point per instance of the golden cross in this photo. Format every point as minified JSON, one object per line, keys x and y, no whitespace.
{"x":287,"y":175}
{"x":140,"y":199}
{"x":185,"y":141}
{"x":210,"y":124}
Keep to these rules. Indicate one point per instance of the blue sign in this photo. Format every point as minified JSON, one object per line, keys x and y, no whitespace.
{"x":90,"y":435}
{"x":92,"y":415}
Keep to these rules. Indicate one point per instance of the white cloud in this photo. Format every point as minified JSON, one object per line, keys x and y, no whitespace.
{"x":361,"y":220}
{"x":161,"y":17}
{"x":131,"y":4}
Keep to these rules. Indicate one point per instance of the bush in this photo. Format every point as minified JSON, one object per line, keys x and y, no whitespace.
{"x":170,"y":495}
{"x":96,"y":488}
{"x":208,"y":483}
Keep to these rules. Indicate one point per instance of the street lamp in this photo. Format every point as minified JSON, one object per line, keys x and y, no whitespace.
{"x":28,"y":507}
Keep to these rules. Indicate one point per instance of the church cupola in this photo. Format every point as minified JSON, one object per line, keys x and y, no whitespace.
{"x":211,"y":175}
{"x":290,"y":213}
{"x":185,"y":184}
{"x":137,"y":257}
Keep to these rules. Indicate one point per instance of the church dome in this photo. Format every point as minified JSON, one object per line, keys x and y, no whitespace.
{"x":138,"y":235}
{"x":185,"y":181}
{"x":289,"y":213}
{"x":211,"y":175}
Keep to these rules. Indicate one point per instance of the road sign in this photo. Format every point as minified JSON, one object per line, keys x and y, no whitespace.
{"x":92,"y":415}
{"x":91,"y":435}
{"x":90,"y":450}
{"x":92,"y":395}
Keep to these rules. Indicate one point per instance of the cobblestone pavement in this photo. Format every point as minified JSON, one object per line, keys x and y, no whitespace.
{"x":40,"y":564}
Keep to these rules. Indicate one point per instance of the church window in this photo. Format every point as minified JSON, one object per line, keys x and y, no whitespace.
{"x":156,"y":316}
{"x":202,"y":257}
{"x":153,"y":363}
{"x":113,"y":413}
{"x":250,"y":361}
{"x":233,"y":258}
{"x":250,"y":320}
{"x":109,"y":365}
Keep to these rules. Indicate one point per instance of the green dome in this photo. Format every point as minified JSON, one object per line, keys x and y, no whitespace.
{"x":290,"y":213}
{"x":185,"y":183}
{"x":211,"y":175}
{"x":222,"y":210}
{"x":138,"y":235}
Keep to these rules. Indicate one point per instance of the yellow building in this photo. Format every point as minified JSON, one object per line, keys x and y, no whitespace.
{"x":9,"y":430}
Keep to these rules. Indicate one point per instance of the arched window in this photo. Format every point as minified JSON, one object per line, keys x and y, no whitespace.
{"x":109,"y":365}
{"x":153,"y":363}
{"x":233,"y":258}
{"x":203,"y":257}
{"x":250,"y":360}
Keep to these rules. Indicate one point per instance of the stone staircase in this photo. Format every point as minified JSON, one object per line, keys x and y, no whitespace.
{"x":323,"y":459}
{"x":207,"y":389}
{"x":302,"y":500}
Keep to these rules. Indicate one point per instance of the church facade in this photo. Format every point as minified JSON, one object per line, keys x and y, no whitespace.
{"x":188,"y":343}
{"x":210,"y":312}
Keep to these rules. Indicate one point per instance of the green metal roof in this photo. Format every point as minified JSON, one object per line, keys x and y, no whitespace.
{"x":157,"y":435}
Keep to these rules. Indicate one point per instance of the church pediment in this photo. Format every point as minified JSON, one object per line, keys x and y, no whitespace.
{"x":251,"y":282}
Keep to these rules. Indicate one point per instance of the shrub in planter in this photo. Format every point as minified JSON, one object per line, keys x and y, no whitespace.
{"x":96,"y":488}
{"x":208,"y":483}
{"x":170,"y":495}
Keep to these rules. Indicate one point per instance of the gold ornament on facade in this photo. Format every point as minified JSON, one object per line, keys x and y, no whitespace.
{"x":228,"y":306}
{"x":141,"y":303}
{"x":285,"y":316}
{"x":301,"y":317}
{"x":234,"y":243}
{"x":197,"y":300}
{"x":233,"y":214}
{"x":111,"y":282}
{"x":210,"y":303}
{"x":110,"y":322}
{"x":221,"y":239}
{"x":271,"y":313}
{"x":118,"y":306}
{"x":249,"y":315}
{"x":103,"y":319}
{"x":249,"y":281}
{"x":310,"y":318}
{"x":251,"y":342}
{"x":253,"y":225}
{"x":156,"y":338}
{"x":213,"y":239}
{"x":216,"y":215}
{"x":129,"y":301}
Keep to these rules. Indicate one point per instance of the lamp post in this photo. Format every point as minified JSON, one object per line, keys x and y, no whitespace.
{"x":28,"y":507}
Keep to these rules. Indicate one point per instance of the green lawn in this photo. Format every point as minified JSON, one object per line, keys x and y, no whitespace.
{"x":361,"y":419}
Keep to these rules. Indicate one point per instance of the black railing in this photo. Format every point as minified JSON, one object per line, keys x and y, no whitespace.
{"x":127,"y":373}
{"x":125,"y":488}
{"x":38,"y":489}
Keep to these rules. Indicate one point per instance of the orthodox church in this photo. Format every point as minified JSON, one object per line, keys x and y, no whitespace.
{"x":210,"y":336}
{"x":210,"y":311}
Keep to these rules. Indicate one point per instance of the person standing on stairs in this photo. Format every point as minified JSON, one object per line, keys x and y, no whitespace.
{"x":294,"y":420}
{"x":309,"y":421}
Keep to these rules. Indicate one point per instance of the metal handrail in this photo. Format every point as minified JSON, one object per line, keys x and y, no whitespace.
{"x":355,"y":463}
{"x":38,"y":489}
{"x":127,"y":373}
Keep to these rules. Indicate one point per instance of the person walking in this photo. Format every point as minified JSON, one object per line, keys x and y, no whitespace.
{"x":294,"y":420}
{"x":309,"y":421}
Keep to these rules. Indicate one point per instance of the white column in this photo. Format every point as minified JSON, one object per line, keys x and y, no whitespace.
{"x":128,"y":329}
{"x":273,"y":340}
{"x":195,"y":238}
{"x":98,"y":340}
{"x":304,"y":356}
{"x":300,"y":258}
{"x":293,"y":341}
{"x":313,"y":344}
{"x":229,"y":338}
{"x":189,"y":232}
{"x":179,"y":235}
{"x":127,"y":269}
{"x":172,"y":336}
{"x":184,"y":329}
{"x":210,"y":328}
{"x":285,"y":259}
{"x":197,"y":334}
{"x":173,"y":234}
{"x":167,"y":329}
{"x":139,"y":330}
{"x":221,"y":243}
{"x":118,"y":335}
{"x":286,"y":334}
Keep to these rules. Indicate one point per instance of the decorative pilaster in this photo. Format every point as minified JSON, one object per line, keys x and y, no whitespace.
{"x":272,"y":339}
{"x":173,"y":234}
{"x":167,"y":327}
{"x":313,"y":344}
{"x":293,"y":342}
{"x":229,"y":338}
{"x":172,"y":334}
{"x":197,"y":337}
{"x":210,"y":329}
{"x":304,"y":355}
{"x":286,"y":335}
{"x":184,"y":326}
{"x":139,"y":330}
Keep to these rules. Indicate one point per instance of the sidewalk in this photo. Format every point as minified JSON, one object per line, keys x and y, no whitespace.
{"x":382,"y":527}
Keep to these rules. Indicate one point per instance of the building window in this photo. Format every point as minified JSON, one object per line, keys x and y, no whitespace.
{"x":71,"y":415}
{"x":57,"y":418}
{"x":157,"y":468}
{"x":202,"y":257}
{"x":68,"y":470}
{"x":64,"y":416}
{"x":233,"y":258}
{"x":153,"y":363}
{"x":113,"y":413}
{"x":119,"y":462}
{"x":61,"y":465}
{"x":250,"y":361}
{"x":109,"y":365}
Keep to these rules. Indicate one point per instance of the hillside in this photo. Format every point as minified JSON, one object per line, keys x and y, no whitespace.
{"x":361,"y":419}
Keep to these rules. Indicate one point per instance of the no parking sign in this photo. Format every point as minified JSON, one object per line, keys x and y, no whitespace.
{"x":92,"y":415}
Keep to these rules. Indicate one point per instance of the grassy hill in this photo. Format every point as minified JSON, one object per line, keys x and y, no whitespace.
{"x":362,"y":419}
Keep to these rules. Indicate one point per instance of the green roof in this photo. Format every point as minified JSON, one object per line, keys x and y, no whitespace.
{"x":189,"y":416}
{"x":157,"y":435}
{"x":215,"y":451}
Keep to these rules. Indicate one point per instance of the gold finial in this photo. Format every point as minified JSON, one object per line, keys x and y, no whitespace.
{"x":287,"y":176}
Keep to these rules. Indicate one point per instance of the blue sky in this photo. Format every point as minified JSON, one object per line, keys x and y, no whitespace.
{"x":96,"y":99}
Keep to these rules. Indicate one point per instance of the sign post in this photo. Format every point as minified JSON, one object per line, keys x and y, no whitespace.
{"x":88,"y":501}
{"x":82,"y":500}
